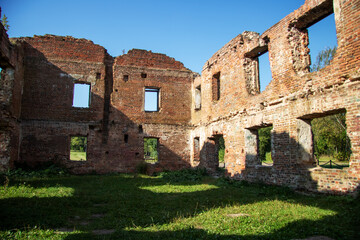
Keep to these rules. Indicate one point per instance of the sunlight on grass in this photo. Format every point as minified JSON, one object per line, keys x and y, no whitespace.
{"x":77,"y":156}
{"x":25,"y":191}
{"x":168,"y":188}
{"x":144,"y":207}
{"x":324,"y":162}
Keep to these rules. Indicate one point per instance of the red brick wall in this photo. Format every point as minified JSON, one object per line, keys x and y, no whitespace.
{"x":53,"y":64}
{"x":11,"y":84}
{"x":292,"y":95}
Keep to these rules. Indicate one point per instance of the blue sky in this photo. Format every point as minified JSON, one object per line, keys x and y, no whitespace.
{"x":190,"y":31}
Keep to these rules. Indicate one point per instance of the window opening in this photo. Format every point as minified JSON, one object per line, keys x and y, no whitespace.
{"x":143,"y":75}
{"x":265,"y":76}
{"x":81,"y":97}
{"x":151,"y":154}
{"x":198,"y":98}
{"x":322,"y":42}
{"x":196,"y":160}
{"x":257,"y":69}
{"x":126,"y":78}
{"x":151,"y":100}
{"x":141,"y":130}
{"x":220,"y":149}
{"x":332,"y":146}
{"x":98,"y":76}
{"x":264,"y":151}
{"x":126,"y":138}
{"x":78,"y":148}
{"x":258,"y":146}
{"x":216,"y":87}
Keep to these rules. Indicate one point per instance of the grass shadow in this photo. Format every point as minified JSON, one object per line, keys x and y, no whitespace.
{"x":141,"y":207}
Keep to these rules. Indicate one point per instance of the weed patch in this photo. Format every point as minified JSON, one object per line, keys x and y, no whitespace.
{"x":50,"y":171}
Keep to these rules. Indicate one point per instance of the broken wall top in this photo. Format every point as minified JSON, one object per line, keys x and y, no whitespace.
{"x":143,"y":58}
{"x":60,"y":47}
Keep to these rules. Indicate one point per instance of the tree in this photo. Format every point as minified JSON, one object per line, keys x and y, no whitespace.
{"x":264,"y":135}
{"x":78,"y":144}
{"x":150,"y":148}
{"x":323,"y":58}
{"x":5,"y":23}
{"x":221,"y":149}
{"x":330,"y":136}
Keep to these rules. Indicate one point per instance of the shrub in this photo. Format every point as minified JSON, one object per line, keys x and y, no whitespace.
{"x":52,"y":170}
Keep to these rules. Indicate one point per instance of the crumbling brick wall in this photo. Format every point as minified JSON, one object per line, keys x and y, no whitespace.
{"x":290,"y":101}
{"x":11,"y":83}
{"x":53,"y":64}
{"x":193,"y":111}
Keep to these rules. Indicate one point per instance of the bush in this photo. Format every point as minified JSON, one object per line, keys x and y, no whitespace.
{"x":52,"y":170}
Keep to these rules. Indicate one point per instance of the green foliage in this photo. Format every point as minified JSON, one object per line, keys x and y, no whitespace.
{"x":5,"y":23}
{"x":221,"y":149}
{"x":184,"y":175}
{"x":51,"y":171}
{"x":330,"y":137}
{"x":78,"y":143}
{"x":150,"y":149}
{"x":264,"y":135}
{"x":323,"y":59}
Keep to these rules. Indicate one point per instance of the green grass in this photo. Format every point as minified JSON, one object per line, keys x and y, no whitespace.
{"x":323,"y":159}
{"x":77,"y":156}
{"x":142,"y":207}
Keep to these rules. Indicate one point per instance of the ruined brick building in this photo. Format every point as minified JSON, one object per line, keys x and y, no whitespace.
{"x":38,"y":118}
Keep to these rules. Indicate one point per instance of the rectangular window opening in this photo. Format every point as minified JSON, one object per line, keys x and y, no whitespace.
{"x":151,"y":154}
{"x":196,"y":160}
{"x":322,"y":42}
{"x":151,"y":103}
{"x":331,"y":144}
{"x":143,"y":75}
{"x":81,"y":97}
{"x":198,"y":97}
{"x":258,"y":146}
{"x":126,"y":138}
{"x":78,"y":148}
{"x":265,"y":76}
{"x":220,"y":150}
{"x":264,"y":149}
{"x":216,"y":87}
{"x":126,"y":78}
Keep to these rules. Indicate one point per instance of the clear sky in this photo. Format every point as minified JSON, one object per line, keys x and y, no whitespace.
{"x":190,"y":31}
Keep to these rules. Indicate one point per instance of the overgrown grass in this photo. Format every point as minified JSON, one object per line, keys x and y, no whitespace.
{"x":180,"y":205}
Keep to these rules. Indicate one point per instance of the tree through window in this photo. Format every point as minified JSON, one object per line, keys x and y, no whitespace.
{"x":151,"y":154}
